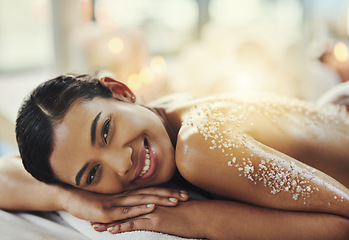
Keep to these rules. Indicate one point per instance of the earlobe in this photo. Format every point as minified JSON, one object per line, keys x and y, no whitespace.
{"x":119,"y":89}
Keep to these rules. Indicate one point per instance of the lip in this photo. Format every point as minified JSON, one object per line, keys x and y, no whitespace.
{"x":141,"y":162}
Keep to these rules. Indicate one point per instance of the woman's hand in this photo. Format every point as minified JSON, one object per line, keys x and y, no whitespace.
{"x":216,"y":219}
{"x":185,"y":220}
{"x":104,"y":208}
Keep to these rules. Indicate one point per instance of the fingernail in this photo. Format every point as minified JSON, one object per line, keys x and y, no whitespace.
{"x":183,"y":195}
{"x":173,"y":199}
{"x":110,"y":229}
{"x":150,"y":205}
{"x":96,"y":226}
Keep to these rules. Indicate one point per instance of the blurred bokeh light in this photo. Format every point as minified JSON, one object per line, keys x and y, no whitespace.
{"x":292,"y":47}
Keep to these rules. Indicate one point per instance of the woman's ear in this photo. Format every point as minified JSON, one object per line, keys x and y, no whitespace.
{"x":120,"y":90}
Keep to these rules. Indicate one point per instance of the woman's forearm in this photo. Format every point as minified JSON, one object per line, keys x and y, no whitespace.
{"x":20,"y":191}
{"x":228,"y":220}
{"x":232,"y":220}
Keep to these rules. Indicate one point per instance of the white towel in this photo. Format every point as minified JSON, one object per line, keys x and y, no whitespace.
{"x":339,"y":94}
{"x":34,"y":226}
{"x":86,"y":229}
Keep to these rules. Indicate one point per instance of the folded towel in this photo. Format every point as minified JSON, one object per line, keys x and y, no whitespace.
{"x":339,"y":94}
{"x":86,"y":229}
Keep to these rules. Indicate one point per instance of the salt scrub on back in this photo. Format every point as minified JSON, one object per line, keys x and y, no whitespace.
{"x":226,"y":125}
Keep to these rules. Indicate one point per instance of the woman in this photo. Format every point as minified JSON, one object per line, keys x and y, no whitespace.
{"x":275,"y":170}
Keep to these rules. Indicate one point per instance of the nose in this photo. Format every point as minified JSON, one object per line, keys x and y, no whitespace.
{"x":119,"y":161}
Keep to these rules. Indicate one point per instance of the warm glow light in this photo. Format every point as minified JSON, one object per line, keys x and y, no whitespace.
{"x":243,"y":80}
{"x":116,"y":45}
{"x":134,"y":82}
{"x":158,"y":64}
{"x":146,"y":75}
{"x":340,"y":51}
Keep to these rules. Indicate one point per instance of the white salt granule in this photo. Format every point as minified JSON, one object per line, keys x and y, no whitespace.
{"x":249,"y":169}
{"x":294,"y":183}
{"x":295,"y":196}
{"x":298,"y":189}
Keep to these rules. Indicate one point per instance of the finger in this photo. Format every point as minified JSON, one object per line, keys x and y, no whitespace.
{"x":163,"y":192}
{"x":142,"y":199}
{"x":102,"y":227}
{"x":122,"y":213}
{"x":131,"y":225}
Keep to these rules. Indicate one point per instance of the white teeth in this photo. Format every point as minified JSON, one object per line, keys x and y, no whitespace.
{"x":147,"y":163}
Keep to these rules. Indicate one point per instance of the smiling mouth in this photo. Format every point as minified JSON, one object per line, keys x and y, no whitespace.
{"x":147,"y":162}
{"x":147,"y":158}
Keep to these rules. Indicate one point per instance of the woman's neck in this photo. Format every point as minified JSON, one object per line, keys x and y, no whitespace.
{"x":172,"y":130}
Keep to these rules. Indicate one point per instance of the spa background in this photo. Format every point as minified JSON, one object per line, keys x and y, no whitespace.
{"x":293,"y":47}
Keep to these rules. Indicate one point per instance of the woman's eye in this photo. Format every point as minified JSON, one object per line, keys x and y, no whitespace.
{"x":105,"y":131}
{"x":92,"y":174}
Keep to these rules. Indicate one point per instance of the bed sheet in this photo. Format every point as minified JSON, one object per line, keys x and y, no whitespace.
{"x":35,"y":226}
{"x":62,"y":226}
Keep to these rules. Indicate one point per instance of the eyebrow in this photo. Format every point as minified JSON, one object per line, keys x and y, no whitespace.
{"x":80,"y":174}
{"x":93,"y":128}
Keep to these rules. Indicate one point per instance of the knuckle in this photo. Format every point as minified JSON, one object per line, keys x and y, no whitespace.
{"x":125,"y":210}
{"x":131,"y":225}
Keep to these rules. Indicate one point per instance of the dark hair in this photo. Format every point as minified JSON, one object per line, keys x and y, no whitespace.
{"x":42,"y":111}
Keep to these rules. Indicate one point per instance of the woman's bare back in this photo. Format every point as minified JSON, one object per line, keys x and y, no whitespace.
{"x":269,"y":150}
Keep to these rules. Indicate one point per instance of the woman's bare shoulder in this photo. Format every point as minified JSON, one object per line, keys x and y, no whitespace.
{"x":197,"y":136}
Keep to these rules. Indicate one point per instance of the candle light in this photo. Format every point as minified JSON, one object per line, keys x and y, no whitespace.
{"x":150,"y":82}
{"x":146,"y":75}
{"x":115,"y":45}
{"x":158,"y":65}
{"x":340,"y":52}
{"x":134,"y":82}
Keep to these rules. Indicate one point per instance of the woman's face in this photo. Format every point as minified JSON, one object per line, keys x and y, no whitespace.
{"x":108,"y":146}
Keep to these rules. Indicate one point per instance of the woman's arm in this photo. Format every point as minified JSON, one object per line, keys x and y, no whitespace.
{"x":220,"y":220}
{"x":20,"y":191}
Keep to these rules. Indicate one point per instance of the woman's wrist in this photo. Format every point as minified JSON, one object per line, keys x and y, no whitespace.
{"x":201,"y":216}
{"x":63,"y":194}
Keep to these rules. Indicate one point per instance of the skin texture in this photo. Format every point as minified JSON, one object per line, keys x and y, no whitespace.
{"x":117,"y":207}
